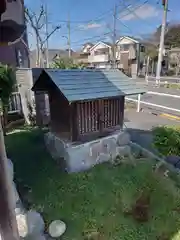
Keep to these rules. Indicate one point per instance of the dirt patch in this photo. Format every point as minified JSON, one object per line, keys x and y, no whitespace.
{"x":140,"y":209}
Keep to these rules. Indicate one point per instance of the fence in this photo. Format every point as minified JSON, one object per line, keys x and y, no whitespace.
{"x":164,"y":79}
{"x":139,"y":102}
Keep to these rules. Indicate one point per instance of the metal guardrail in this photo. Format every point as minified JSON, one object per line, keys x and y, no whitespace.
{"x":164,"y":79}
{"x":139,"y":102}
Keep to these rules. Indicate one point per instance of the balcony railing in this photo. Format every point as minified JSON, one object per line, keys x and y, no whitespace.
{"x":99,"y":58}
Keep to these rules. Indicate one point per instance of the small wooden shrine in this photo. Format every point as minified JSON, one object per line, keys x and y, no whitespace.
{"x":85,"y":104}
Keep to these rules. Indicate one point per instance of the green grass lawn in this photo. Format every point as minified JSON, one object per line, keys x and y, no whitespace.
{"x":93,"y":204}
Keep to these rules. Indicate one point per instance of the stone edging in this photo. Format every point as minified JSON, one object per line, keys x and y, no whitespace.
{"x":152,"y":155}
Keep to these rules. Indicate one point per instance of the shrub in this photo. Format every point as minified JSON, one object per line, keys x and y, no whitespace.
{"x":166,"y":140}
{"x":171,"y":72}
{"x":172,"y":85}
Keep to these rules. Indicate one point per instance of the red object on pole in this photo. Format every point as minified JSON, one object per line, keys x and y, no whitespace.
{"x":163,"y":2}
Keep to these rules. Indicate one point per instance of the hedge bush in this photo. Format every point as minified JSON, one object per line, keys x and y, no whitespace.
{"x":172,"y":85}
{"x":166,"y":140}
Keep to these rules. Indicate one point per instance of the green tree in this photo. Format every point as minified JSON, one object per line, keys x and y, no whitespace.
{"x":66,"y":63}
{"x":157,"y":33}
{"x":172,"y":36}
{"x":7,"y":81}
{"x":152,"y":52}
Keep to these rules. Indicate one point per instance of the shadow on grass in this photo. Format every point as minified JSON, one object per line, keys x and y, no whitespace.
{"x":92,"y":202}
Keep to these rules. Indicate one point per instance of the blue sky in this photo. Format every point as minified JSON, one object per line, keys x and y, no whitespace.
{"x":92,"y":21}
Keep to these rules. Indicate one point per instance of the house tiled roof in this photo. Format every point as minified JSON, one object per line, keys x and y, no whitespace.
{"x":107,"y":43}
{"x":77,"y":85}
{"x":88,"y":43}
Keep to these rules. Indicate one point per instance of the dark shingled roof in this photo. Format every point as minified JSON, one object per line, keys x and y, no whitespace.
{"x":88,"y":84}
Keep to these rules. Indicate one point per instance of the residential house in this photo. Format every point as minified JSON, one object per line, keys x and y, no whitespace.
{"x":100,"y":55}
{"x":82,"y":55}
{"x":130,"y":54}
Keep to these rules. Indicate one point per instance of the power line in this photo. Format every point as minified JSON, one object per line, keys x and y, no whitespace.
{"x":99,"y":18}
{"x":91,"y":38}
{"x":132,"y":11}
{"x":96,"y":19}
{"x":97,"y":40}
{"x":88,"y":21}
{"x":114,"y":30}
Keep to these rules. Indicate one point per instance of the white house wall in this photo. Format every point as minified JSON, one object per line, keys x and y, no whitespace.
{"x":102,"y":58}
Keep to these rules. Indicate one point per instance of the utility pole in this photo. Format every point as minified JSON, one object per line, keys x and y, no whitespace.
{"x":69,"y":36}
{"x":161,"y":45}
{"x":114,"y":37}
{"x":47,"y":36}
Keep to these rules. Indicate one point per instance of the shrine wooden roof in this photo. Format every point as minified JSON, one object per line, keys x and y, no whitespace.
{"x":88,"y":84}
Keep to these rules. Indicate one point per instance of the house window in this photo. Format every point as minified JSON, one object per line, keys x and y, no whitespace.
{"x":102,"y":51}
{"x":142,"y":49}
{"x":124,"y":47}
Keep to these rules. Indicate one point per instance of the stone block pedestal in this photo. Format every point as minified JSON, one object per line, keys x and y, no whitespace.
{"x":80,"y":157}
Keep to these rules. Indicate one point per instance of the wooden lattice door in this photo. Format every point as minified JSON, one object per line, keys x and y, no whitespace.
{"x":111,"y":112}
{"x":87,"y":117}
{"x":98,"y":115}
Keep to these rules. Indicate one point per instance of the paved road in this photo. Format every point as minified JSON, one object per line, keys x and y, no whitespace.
{"x":159,"y":100}
{"x":139,"y":125}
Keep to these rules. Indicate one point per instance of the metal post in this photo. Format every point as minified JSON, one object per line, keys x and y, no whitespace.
{"x":147,"y":69}
{"x":138,"y":102}
{"x":161,"y":45}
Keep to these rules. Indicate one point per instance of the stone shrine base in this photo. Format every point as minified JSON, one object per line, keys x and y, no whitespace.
{"x":80,"y":157}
